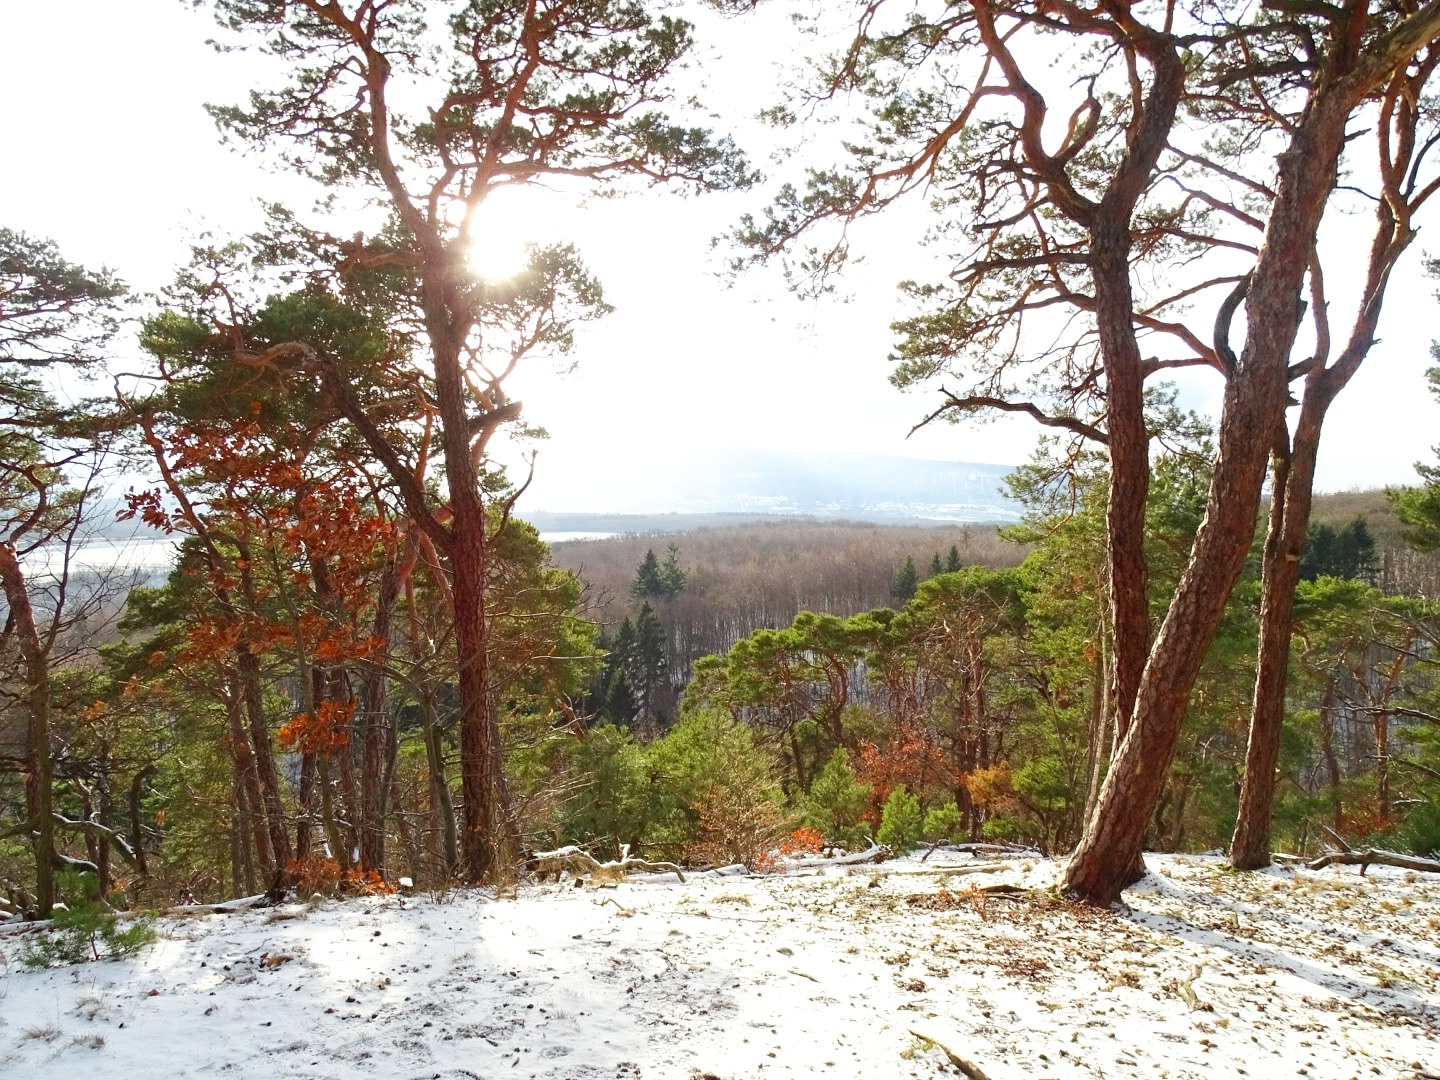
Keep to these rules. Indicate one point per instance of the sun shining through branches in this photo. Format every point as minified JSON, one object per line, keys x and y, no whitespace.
{"x":504,"y":231}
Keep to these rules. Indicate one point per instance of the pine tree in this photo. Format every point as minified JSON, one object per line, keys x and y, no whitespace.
{"x":672,"y":576}
{"x":649,"y":582}
{"x":936,"y":567}
{"x":902,"y":588}
{"x":952,"y":561}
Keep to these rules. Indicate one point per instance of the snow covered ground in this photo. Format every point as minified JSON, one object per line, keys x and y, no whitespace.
{"x":844,"y":972}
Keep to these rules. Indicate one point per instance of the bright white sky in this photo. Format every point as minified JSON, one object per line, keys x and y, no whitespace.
{"x":109,"y":153}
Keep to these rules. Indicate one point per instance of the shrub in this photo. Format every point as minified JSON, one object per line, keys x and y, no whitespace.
{"x":836,"y":804}
{"x":734,"y":827}
{"x":900,"y":822}
{"x":1421,"y":833}
{"x":616,"y":803}
{"x":716,"y":796}
{"x":85,"y":929}
{"x":942,"y":823}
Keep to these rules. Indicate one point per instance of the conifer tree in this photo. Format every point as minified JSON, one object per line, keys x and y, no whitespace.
{"x":902,"y":586}
{"x":952,"y":561}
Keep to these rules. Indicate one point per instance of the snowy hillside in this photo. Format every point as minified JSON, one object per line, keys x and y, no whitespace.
{"x":845,"y":973}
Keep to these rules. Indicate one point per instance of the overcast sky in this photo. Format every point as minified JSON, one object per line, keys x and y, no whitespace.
{"x":109,"y":152}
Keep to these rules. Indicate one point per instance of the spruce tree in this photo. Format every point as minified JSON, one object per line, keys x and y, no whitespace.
{"x":648,"y":584}
{"x":902,"y":588}
{"x":672,"y":576}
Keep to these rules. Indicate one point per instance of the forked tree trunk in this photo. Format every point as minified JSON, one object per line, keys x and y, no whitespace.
{"x":39,"y":778}
{"x":1108,"y":856}
{"x":1292,"y":495}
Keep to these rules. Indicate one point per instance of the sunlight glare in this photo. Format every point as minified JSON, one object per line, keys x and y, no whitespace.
{"x":502,"y":233}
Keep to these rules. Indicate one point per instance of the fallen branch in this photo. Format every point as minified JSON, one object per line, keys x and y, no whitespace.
{"x":938,"y":871}
{"x":94,"y":828}
{"x":581,"y":863}
{"x":875,"y":853}
{"x":242,"y":903}
{"x":1374,"y":857}
{"x":966,"y":1066}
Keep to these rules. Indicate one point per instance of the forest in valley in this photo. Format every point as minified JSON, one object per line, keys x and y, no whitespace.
{"x":364,"y":665}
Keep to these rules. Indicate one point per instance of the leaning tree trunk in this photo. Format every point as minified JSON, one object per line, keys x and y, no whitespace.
{"x":1294,"y":474}
{"x":1256,"y":394}
{"x":39,"y":779}
{"x":1289,"y":523}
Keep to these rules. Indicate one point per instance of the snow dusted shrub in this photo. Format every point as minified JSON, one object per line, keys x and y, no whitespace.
{"x":900,"y":822}
{"x":85,"y":928}
{"x":803,"y":841}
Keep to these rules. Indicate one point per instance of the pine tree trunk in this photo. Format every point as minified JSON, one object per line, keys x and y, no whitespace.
{"x":250,"y":688}
{"x":1109,"y":854}
{"x":375,"y":732}
{"x":305,"y":826}
{"x":440,"y":791}
{"x":250,"y":804}
{"x":39,"y":778}
{"x":1293,"y":476}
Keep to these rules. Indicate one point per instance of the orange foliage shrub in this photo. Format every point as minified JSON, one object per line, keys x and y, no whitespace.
{"x":315,"y":874}
{"x":734,"y":828}
{"x":993,"y":790}
{"x":320,"y":874}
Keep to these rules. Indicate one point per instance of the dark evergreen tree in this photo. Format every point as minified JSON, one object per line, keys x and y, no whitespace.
{"x":1346,"y":552}
{"x":952,"y":561}
{"x":936,"y":567}
{"x":646,"y":666}
{"x":672,"y":575}
{"x":902,"y":588}
{"x":649,"y":583}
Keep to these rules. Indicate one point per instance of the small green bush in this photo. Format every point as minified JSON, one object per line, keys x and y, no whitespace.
{"x":835,"y":807}
{"x":900,"y":821}
{"x":85,"y":929}
{"x":1420,"y":834}
{"x":942,"y":823}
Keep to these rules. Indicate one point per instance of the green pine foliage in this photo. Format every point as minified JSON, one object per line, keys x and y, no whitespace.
{"x":901,"y":824}
{"x":942,"y":823}
{"x":85,"y":928}
{"x":835,"y":806}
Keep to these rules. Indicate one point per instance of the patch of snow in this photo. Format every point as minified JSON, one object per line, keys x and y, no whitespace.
{"x":827,"y":971}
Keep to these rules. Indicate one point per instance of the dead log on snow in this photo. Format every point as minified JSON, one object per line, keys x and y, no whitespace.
{"x":1374,"y":857}
{"x":966,"y":1066}
{"x":581,"y":863}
